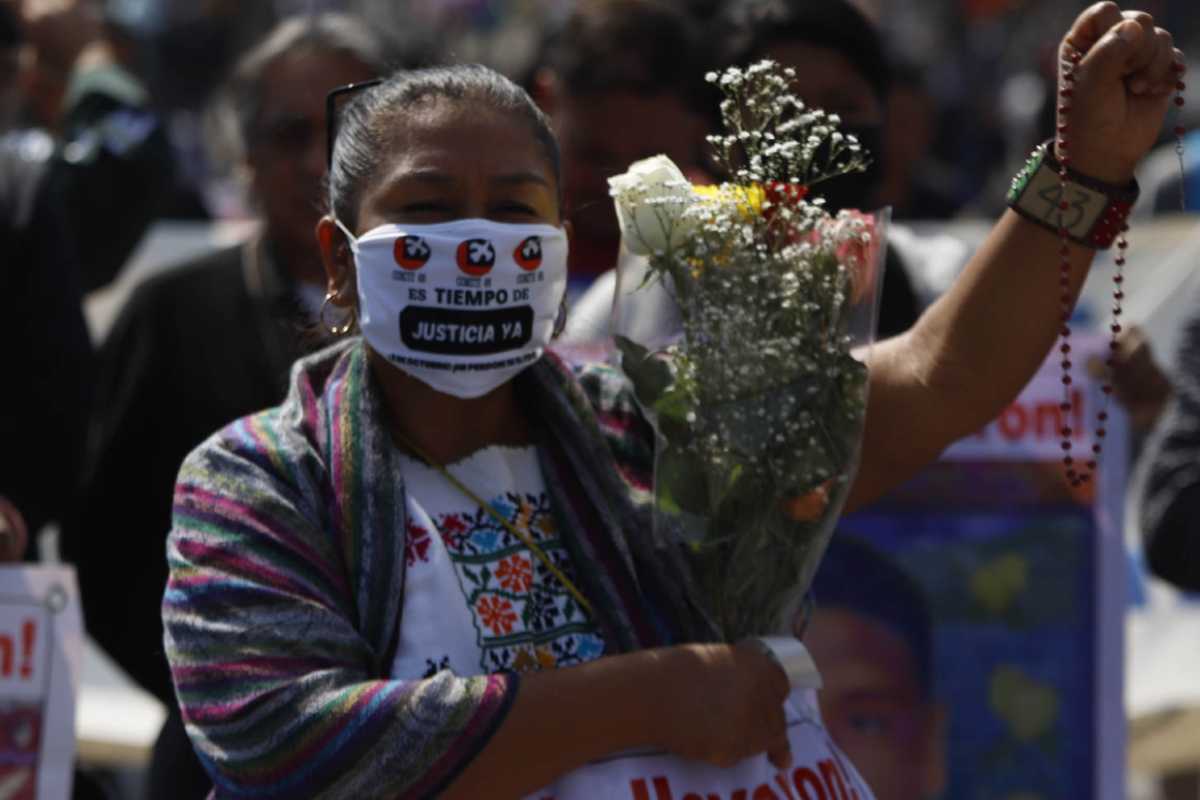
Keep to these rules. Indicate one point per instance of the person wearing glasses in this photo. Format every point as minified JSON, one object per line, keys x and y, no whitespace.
{"x":430,"y":571}
{"x":209,"y":341}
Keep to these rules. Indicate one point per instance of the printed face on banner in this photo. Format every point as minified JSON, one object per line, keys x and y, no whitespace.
{"x":964,"y":623}
{"x":873,"y":704}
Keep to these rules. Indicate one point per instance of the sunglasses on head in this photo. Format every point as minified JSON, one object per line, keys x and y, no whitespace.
{"x":331,"y":112}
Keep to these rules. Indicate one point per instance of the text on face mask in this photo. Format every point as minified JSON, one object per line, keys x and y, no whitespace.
{"x":446,"y":331}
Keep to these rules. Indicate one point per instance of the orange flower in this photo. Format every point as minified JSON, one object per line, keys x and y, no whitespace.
{"x":515,"y":574}
{"x":808,"y":507}
{"x":497,"y":614}
{"x":545,"y":658}
{"x":524,"y":661}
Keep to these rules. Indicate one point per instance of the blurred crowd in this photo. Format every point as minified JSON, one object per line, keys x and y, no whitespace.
{"x":118,"y":114}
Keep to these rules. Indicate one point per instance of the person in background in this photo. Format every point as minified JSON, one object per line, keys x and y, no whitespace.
{"x":911,"y":182}
{"x":840,"y":67}
{"x":14,"y":536}
{"x":111,"y":166}
{"x":621,"y":80}
{"x":207,"y":342}
{"x":1168,"y":472}
{"x":871,"y":636}
{"x":83,"y":160}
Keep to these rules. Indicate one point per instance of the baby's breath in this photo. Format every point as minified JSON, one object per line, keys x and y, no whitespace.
{"x":764,"y":401}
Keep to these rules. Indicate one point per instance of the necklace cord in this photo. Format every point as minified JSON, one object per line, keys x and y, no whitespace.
{"x":523,"y":537}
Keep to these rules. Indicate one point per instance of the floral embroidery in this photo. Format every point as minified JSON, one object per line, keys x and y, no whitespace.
{"x":533,"y":659}
{"x":524,"y":661}
{"x":452,"y":527}
{"x":545,"y":526}
{"x":497,"y":614}
{"x":485,"y":540}
{"x":590,"y":647}
{"x":434,"y":667}
{"x":515,"y":574}
{"x":546,"y":659}
{"x":525,"y":619}
{"x":416,"y":544}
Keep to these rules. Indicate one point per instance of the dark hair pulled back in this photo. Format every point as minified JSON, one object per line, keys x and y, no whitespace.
{"x":364,"y":130}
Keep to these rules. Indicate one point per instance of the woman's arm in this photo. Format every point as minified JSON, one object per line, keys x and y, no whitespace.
{"x":980,"y":343}
{"x":711,"y":703}
{"x":282,"y":696}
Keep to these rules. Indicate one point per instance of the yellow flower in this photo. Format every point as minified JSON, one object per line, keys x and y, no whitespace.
{"x":749,"y":199}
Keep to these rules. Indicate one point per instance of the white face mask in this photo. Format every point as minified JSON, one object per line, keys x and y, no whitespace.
{"x":463,"y":306}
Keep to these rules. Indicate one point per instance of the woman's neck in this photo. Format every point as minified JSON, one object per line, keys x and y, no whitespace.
{"x":443,"y":427}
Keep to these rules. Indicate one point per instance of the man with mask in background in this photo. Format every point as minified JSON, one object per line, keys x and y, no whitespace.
{"x":841,"y":68}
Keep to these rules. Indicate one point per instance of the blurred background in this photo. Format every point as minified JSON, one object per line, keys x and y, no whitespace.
{"x":969,"y":85}
{"x":158,"y":191}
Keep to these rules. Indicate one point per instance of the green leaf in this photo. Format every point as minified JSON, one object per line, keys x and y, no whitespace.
{"x":650,"y":375}
{"x":680,"y":481}
{"x":672,"y":413}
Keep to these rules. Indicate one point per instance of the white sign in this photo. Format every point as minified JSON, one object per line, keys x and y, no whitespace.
{"x":1031,"y":428}
{"x":41,"y":637}
{"x":820,"y":771}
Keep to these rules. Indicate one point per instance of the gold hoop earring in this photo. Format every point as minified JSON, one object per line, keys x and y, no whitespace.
{"x":336,"y":330}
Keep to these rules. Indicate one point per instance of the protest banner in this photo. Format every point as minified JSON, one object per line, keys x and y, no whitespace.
{"x":1008,"y":600}
{"x":41,"y":640}
{"x":819,"y":771}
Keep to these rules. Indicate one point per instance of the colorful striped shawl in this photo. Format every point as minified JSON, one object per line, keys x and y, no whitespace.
{"x":286,"y":559}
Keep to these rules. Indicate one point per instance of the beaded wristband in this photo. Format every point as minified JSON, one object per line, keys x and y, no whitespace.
{"x":1092,"y":212}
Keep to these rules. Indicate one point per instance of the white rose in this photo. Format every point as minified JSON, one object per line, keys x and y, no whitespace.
{"x":651,"y":199}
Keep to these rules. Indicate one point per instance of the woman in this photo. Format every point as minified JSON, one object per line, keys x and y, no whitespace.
{"x":315,"y":615}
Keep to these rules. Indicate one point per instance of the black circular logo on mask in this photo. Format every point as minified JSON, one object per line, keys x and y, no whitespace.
{"x":528,"y":254}
{"x":476,"y":257}
{"x":412,"y":252}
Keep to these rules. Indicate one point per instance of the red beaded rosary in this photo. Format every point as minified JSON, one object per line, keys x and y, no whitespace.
{"x":1078,"y":476}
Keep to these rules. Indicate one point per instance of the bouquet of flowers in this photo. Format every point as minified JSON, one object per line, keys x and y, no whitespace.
{"x":759,"y":400}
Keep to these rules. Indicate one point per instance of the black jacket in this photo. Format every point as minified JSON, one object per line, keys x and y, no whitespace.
{"x":193,"y":349}
{"x":71,"y":211}
{"x":1170,"y":501}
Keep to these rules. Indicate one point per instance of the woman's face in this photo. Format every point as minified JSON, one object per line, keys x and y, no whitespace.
{"x":449,"y":161}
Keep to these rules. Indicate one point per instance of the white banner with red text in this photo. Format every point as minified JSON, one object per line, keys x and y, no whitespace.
{"x":41,"y":647}
{"x":819,"y":771}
